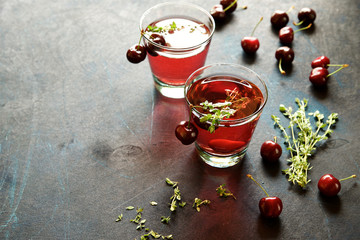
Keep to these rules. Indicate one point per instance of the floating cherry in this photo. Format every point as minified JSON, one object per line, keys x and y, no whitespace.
{"x":270,"y":207}
{"x":251,"y":44}
{"x":329,"y":185}
{"x":155,"y":38}
{"x":270,"y":151}
{"x":136,"y":53}
{"x":285,"y":55}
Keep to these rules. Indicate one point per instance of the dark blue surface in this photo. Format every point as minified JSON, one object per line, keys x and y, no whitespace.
{"x":84,"y":134}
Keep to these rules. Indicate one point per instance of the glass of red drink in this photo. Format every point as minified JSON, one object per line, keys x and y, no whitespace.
{"x":187,"y":31}
{"x":226,"y":102}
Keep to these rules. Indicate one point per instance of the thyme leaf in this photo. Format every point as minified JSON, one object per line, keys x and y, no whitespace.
{"x":223,"y":192}
{"x":198,"y":202}
{"x":302,"y":138}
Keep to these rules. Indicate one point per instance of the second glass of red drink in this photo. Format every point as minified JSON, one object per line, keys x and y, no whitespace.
{"x":226,"y":101}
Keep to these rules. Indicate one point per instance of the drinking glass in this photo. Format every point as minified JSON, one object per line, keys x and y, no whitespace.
{"x":244,"y":92}
{"x":186,"y":48}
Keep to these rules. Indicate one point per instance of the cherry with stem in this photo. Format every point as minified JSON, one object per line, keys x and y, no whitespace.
{"x":285,"y":55}
{"x":280,"y":18}
{"x":330,"y":186}
{"x":270,"y":207}
{"x":251,"y":44}
{"x":319,"y":75}
{"x":137,"y":52}
{"x":286,"y":34}
{"x":306,"y":16}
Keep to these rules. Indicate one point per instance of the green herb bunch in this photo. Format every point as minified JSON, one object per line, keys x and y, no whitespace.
{"x":302,"y":138}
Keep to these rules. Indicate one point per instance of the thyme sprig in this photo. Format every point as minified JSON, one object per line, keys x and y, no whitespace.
{"x":302,"y":139}
{"x":217,"y":112}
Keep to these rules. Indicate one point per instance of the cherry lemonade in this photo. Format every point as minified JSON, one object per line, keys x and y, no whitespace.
{"x":174,"y":63}
{"x":233,"y":134}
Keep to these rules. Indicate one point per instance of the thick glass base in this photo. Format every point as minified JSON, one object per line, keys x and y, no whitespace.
{"x":220,"y":161}
{"x":169,"y":90}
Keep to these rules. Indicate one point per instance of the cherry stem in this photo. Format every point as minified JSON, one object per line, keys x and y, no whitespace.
{"x":190,"y":113}
{"x":299,"y":23}
{"x":252,"y":33}
{"x":352,"y":176}
{"x":290,"y":9}
{"x":280,"y":68}
{"x":275,"y":139}
{"x":251,"y":177}
{"x":304,"y":28}
{"x":343,"y":66}
{"x":232,"y":4}
{"x":335,"y":65}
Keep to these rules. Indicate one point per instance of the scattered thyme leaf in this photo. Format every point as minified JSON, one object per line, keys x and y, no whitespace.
{"x":302,"y":138}
{"x":171,"y":183}
{"x":119,"y":218}
{"x":165,"y":220}
{"x":130,"y":208}
{"x":223,"y":192}
{"x":198,"y":202}
{"x":153,"y":203}
{"x":182,"y":204}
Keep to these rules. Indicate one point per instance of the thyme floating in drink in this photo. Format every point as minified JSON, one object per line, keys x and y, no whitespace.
{"x":302,"y":138}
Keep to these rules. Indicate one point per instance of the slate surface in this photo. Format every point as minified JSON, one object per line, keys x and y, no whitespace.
{"x":83,"y":133}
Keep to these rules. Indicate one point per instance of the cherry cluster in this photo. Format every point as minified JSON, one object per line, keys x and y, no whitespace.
{"x":220,"y":11}
{"x":279,"y":19}
{"x":319,"y":73}
{"x":137,"y":52}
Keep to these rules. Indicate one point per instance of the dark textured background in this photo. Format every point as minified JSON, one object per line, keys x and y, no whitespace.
{"x":83,"y":133}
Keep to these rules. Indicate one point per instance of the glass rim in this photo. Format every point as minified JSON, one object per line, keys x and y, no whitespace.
{"x":183,"y":4}
{"x":244,"y":119}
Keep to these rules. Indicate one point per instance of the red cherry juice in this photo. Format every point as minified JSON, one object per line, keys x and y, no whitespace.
{"x":174,"y":64}
{"x":233,"y":134}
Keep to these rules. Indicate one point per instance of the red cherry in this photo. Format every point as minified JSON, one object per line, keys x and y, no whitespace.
{"x":329,"y":185}
{"x":279,"y":19}
{"x":251,"y":44}
{"x":270,"y":151}
{"x":218,"y":13}
{"x":155,"y":38}
{"x":285,"y":56}
{"x":322,"y":61}
{"x":186,"y":132}
{"x":306,"y":16}
{"x":136,"y":53}
{"x":227,"y":3}
{"x":286,"y":35}
{"x":318,"y":76}
{"x":270,"y":207}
